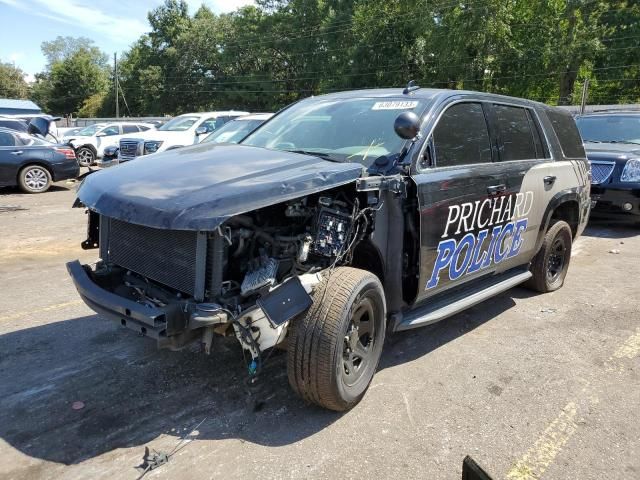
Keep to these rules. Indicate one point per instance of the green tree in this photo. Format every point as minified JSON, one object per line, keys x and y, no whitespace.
{"x":75,"y":79}
{"x":64,"y":47}
{"x":12,"y":82}
{"x":265,"y":56}
{"x":150,"y":73}
{"x":93,"y":105}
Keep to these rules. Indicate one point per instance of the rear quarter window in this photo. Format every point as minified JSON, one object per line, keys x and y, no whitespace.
{"x":567,"y":133}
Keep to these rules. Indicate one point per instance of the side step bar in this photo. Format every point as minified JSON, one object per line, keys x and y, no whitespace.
{"x":443,"y":308}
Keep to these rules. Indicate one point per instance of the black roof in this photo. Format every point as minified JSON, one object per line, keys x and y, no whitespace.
{"x":428,"y":94}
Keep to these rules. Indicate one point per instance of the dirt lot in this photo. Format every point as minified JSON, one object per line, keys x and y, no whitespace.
{"x":529,"y":385}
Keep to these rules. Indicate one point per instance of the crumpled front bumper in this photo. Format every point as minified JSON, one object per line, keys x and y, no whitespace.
{"x":149,"y":321}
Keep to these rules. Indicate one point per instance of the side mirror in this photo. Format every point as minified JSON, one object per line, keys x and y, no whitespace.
{"x":101,"y":134}
{"x":201,"y":130}
{"x":407,"y":125}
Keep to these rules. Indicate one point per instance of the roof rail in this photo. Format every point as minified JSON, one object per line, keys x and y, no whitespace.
{"x":411,"y":87}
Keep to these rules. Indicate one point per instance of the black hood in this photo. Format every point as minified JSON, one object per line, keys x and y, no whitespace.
{"x":199,"y":187}
{"x":621,"y":150}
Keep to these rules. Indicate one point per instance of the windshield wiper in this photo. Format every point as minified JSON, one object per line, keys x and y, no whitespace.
{"x":629,"y":142}
{"x":323,"y":155}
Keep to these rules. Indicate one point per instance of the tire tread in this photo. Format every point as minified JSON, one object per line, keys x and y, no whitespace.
{"x":538,"y":281}
{"x":315,"y":337}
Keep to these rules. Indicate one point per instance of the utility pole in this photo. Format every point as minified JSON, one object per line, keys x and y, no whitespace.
{"x":585,"y":94}
{"x":115,"y":82}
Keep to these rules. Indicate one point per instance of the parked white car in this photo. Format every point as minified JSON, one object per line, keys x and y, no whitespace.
{"x":178,"y":132}
{"x":91,"y":141}
{"x":237,"y":129}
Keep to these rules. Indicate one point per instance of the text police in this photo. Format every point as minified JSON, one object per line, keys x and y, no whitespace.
{"x":500,"y":220}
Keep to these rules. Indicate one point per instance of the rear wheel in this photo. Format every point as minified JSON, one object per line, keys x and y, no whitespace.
{"x":550,"y":265}
{"x":34,"y":179}
{"x":335,"y":348}
{"x":86,"y":156}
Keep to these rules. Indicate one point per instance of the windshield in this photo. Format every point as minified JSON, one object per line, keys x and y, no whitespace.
{"x":344,"y":129}
{"x":610,"y":128}
{"x":90,"y":130}
{"x":179,"y":124}
{"x":233,"y":131}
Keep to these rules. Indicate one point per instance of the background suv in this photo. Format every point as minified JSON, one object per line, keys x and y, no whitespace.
{"x":180,"y":131}
{"x":612,"y":143}
{"x":91,"y":141}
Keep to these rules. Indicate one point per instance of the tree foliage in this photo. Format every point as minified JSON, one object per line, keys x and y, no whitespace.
{"x":265,"y":56}
{"x":76,"y":72}
{"x":12,"y":82}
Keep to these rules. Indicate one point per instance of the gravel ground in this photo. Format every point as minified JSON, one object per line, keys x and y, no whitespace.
{"x":531,"y":386}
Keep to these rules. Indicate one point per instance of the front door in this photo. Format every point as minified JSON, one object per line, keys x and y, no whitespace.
{"x":524,"y":157}
{"x":451,"y":190}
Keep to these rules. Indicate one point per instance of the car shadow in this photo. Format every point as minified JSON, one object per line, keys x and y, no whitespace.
{"x":608,"y":229}
{"x":55,"y":187}
{"x":403,"y":347}
{"x":131,"y":393}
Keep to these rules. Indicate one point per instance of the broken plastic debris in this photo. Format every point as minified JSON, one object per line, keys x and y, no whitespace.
{"x":614,"y":251}
{"x":77,"y":405}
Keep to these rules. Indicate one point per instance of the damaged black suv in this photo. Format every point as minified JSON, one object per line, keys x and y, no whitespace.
{"x":343,"y":218}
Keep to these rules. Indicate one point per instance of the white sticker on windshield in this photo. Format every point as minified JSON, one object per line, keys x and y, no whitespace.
{"x":395,"y":105}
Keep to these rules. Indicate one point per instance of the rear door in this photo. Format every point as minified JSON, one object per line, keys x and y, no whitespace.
{"x":10,"y":158}
{"x":524,"y":158}
{"x":456,"y":184}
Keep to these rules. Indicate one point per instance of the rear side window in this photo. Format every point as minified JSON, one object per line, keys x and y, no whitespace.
{"x":7,"y":140}
{"x":129,"y":129}
{"x":567,"y":133}
{"x":461,"y":136}
{"x":515,"y":132}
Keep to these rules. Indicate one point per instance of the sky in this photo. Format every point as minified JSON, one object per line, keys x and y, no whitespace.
{"x":112,"y":24}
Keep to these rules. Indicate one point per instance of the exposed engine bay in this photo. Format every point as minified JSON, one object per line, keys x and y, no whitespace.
{"x":253,"y":275}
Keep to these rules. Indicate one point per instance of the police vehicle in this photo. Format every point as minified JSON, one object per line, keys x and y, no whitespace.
{"x":341,"y":219}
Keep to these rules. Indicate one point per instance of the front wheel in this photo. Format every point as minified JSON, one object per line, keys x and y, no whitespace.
{"x":85,"y":156}
{"x":334,"y":349}
{"x":550,"y":265}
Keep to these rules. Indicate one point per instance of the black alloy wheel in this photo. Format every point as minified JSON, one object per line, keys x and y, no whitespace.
{"x":550,"y":265}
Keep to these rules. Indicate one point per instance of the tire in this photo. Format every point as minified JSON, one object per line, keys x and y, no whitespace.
{"x":86,"y":156}
{"x":331,"y":357}
{"x":34,"y":179}
{"x":549,"y":266}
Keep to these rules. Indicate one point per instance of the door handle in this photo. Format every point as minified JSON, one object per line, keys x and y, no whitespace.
{"x":17,"y":152}
{"x":549,"y":180}
{"x":496,"y":189}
